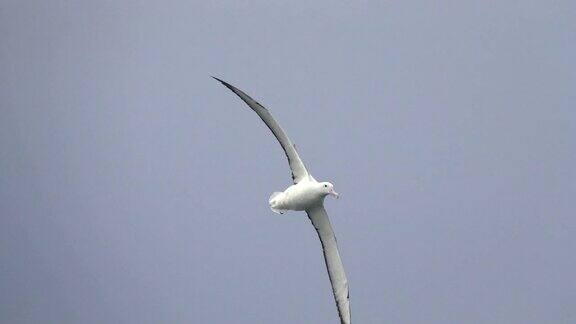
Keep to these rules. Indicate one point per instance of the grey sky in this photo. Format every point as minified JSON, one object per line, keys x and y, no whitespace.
{"x":133,"y":187}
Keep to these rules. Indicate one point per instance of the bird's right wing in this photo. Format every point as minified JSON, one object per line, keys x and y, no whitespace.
{"x":320,"y":220}
{"x":298,"y":169}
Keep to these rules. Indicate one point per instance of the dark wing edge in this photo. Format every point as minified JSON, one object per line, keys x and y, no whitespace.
{"x":297,"y":167}
{"x":336,"y":273}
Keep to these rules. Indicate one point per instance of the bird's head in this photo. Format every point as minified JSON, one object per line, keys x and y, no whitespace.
{"x":327,"y":188}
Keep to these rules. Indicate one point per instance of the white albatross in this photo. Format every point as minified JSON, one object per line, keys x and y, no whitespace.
{"x":306,"y":194}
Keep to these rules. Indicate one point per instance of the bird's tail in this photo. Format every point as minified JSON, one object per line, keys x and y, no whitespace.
{"x":274,"y":202}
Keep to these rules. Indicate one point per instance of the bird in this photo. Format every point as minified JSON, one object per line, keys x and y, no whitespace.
{"x":306,"y":194}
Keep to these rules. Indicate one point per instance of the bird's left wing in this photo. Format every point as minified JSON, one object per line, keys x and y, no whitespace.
{"x":320,"y":220}
{"x":297,"y":167}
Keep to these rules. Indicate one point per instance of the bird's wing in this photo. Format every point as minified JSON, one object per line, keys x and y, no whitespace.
{"x":320,"y":220}
{"x":298,"y":169}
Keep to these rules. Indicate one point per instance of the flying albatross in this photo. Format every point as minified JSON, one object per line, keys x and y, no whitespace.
{"x":306,"y":194}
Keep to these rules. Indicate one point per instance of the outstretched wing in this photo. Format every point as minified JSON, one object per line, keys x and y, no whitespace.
{"x":298,"y":169}
{"x":320,"y":220}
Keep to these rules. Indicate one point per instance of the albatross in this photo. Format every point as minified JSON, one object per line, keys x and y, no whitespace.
{"x":306,"y":194}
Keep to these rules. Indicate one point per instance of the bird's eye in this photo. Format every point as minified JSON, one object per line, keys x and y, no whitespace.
{"x":325,"y":186}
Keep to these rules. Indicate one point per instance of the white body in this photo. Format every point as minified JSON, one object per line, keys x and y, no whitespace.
{"x":301,"y":196}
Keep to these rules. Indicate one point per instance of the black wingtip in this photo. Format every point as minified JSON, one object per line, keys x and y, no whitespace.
{"x":228,"y":85}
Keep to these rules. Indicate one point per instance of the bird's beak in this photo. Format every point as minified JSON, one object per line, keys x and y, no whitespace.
{"x":334,"y":193}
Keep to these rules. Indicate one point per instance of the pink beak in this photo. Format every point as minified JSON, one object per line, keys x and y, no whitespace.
{"x":334,"y":193}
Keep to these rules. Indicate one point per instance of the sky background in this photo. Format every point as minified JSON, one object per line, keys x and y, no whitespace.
{"x":134,"y":188}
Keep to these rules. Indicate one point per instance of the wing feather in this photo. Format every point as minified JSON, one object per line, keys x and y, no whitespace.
{"x":297,"y":167}
{"x":319,"y":219}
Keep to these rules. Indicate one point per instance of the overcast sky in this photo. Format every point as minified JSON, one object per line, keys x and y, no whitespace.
{"x":134,"y":188}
